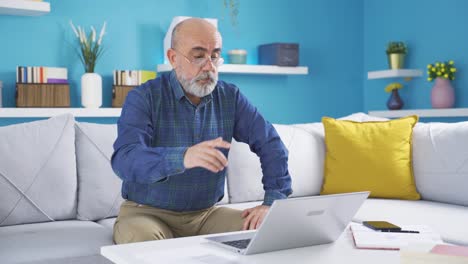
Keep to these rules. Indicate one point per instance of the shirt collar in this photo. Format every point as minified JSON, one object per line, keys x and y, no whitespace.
{"x":179,"y":92}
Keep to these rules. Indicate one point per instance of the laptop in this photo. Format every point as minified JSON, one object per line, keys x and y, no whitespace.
{"x":296,"y":222}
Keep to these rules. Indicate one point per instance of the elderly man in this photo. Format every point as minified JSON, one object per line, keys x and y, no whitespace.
{"x":173,"y":140}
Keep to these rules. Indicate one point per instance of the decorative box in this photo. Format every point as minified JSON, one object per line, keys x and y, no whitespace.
{"x":42,"y":95}
{"x":119,"y":93}
{"x":281,"y":54}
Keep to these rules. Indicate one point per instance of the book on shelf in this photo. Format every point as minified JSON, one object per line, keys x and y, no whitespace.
{"x":366,"y":238}
{"x":41,"y":74}
{"x":132,"y":77}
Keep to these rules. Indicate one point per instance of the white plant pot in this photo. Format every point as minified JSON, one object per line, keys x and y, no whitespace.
{"x":91,"y":90}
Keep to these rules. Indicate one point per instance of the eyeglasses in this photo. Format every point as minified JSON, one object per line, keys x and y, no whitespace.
{"x":201,"y":62}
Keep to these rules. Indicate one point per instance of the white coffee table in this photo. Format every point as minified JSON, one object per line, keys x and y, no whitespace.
{"x":196,"y":250}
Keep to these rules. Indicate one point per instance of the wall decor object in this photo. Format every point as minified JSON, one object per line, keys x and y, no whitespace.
{"x":442,"y":94}
{"x":89,"y":51}
{"x":394,"y":102}
{"x":396,"y":52}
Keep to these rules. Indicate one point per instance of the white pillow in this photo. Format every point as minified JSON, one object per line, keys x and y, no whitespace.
{"x":38,"y":171}
{"x":306,"y":157}
{"x":99,"y":189}
{"x":317,"y":127}
{"x":440,"y":161}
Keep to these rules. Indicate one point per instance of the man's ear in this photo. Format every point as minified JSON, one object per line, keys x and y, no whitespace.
{"x":171,"y":56}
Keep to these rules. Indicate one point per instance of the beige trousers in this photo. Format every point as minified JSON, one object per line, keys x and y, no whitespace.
{"x":136,"y":222}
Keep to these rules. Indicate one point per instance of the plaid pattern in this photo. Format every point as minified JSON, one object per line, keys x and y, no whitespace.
{"x":158,"y":123}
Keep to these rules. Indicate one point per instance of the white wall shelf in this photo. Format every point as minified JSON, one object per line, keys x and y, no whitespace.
{"x":250,"y":69}
{"x":401,"y":73}
{"x":447,"y":112}
{"x":48,"y":112}
{"x":23,"y":8}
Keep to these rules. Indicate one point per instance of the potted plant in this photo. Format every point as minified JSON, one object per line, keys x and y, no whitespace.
{"x":396,"y":51}
{"x":394,"y":102}
{"x":89,"y":51}
{"x":233,"y":6}
{"x":442,"y":94}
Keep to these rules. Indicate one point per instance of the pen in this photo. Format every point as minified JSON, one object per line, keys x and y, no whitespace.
{"x":402,"y":231}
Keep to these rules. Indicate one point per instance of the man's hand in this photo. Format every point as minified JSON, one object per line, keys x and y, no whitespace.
{"x":254,"y":217}
{"x":206,"y":155}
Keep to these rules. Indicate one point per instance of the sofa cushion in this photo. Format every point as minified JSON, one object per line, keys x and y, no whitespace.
{"x":448,"y":220}
{"x":38,"y":171}
{"x":370,"y":156}
{"x":243,"y":206}
{"x":317,"y":128}
{"x":47,"y":241}
{"x":99,"y":189}
{"x":440,"y":160}
{"x":108,"y":222}
{"x":305,"y":164}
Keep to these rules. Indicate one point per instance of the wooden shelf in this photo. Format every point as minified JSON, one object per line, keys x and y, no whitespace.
{"x":402,"y":73}
{"x":250,"y":69}
{"x":48,"y":112}
{"x":23,"y":8}
{"x":447,"y":112}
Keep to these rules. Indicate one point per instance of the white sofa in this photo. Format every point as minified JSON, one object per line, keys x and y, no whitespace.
{"x":59,"y":196}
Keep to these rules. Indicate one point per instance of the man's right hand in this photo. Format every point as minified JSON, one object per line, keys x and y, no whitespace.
{"x":206,"y":155}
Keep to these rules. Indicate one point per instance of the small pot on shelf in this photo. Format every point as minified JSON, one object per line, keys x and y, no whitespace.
{"x":396,"y":61}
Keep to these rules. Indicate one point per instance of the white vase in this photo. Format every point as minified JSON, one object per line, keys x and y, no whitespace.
{"x":91,"y":90}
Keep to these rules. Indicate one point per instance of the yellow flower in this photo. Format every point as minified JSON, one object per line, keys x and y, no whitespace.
{"x":453,"y":69}
{"x":429,"y":66}
{"x":442,"y":65}
{"x":446,"y":75}
{"x":429,"y":79}
{"x":442,"y":70}
{"x":393,"y":86}
{"x":437,"y":64}
{"x":451,"y":62}
{"x":439,"y":73}
{"x":433,"y":69}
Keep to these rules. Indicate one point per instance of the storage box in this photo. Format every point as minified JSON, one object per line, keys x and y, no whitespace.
{"x":42,"y":95}
{"x":119,"y":93}
{"x":281,"y":54}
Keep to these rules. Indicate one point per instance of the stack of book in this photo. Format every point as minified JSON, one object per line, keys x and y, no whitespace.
{"x":38,"y":86}
{"x":40,"y":74}
{"x":132,"y":77}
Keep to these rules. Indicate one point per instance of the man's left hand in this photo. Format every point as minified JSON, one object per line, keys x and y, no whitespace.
{"x":254,"y":216}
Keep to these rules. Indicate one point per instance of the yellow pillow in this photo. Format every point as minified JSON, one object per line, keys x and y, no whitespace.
{"x":370,"y":156}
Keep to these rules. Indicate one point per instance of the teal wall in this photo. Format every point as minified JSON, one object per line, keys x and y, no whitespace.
{"x":330,"y":34}
{"x":434,"y":31}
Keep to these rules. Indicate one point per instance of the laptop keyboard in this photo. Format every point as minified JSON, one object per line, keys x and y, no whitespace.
{"x":242,"y":244}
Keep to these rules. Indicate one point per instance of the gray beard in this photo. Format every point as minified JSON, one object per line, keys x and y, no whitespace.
{"x":199,"y":90}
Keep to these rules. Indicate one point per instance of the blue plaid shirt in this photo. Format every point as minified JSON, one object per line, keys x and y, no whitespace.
{"x":157,"y":125}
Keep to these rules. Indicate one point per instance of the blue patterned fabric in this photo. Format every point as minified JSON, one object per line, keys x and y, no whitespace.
{"x":157,"y":125}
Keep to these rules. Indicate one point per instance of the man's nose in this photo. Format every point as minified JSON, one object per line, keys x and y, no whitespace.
{"x":209,"y":66}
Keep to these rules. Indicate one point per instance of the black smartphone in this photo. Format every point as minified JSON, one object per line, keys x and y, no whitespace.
{"x":383,"y":226}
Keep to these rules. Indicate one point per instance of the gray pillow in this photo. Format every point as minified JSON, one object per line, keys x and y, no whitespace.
{"x":99,"y":194}
{"x":38,"y":171}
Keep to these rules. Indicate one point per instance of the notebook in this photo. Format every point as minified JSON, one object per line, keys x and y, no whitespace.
{"x":445,"y":254}
{"x":366,"y":238}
